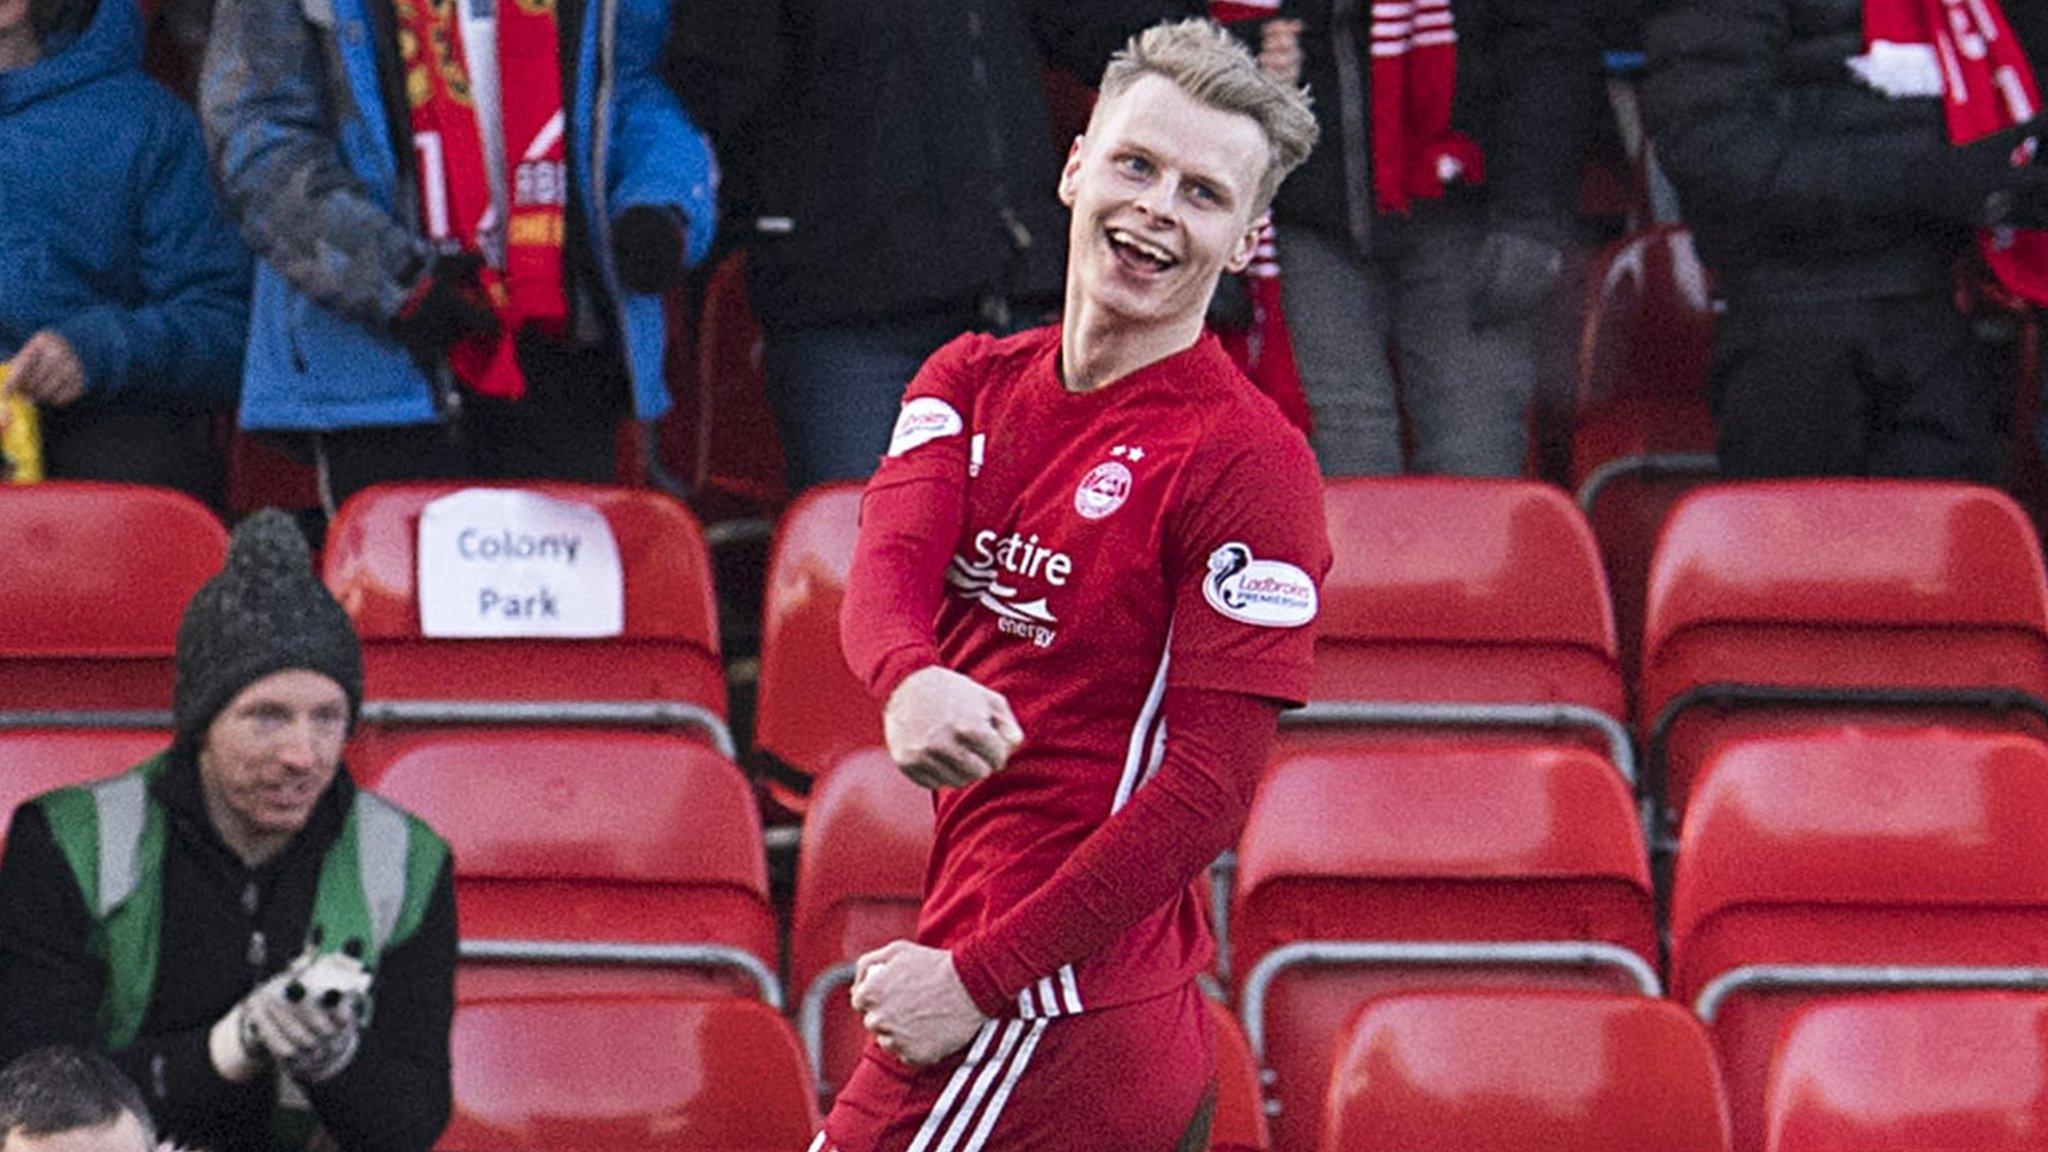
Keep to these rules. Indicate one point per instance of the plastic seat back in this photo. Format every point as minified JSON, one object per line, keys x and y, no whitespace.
{"x":94,"y":578}
{"x":1419,"y":847}
{"x":1642,"y":434}
{"x":721,"y":438}
{"x":1644,"y":350}
{"x":668,"y":653}
{"x":1958,"y":1071}
{"x":606,"y":838}
{"x":810,"y":710}
{"x":1240,"y":1124}
{"x":1482,"y":1071}
{"x":1453,"y":589}
{"x":667,"y":1074}
{"x":859,"y":883}
{"x":1838,"y":584}
{"x":35,"y":760}
{"x":1876,"y":848}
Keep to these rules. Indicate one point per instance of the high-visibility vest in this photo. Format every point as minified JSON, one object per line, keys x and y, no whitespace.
{"x":375,"y":881}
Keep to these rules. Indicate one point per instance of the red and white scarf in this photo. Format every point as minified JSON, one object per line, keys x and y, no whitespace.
{"x":455,"y":193}
{"x":1415,"y":154}
{"x":1964,"y":52}
{"x":1263,"y":351}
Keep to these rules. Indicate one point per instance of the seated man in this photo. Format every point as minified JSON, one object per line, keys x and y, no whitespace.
{"x":124,"y":294}
{"x":266,"y":949}
{"x":65,"y":1099}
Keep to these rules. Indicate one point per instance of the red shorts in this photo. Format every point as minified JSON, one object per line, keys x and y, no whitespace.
{"x":1129,"y":1078}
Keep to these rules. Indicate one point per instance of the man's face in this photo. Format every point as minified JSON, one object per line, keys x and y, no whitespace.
{"x":122,"y":1134}
{"x":1162,"y":189}
{"x":270,"y":754}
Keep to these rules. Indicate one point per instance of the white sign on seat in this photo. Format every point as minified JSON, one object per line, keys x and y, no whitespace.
{"x":501,"y":562}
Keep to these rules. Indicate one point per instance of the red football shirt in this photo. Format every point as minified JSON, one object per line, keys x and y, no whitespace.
{"x":1166,"y":530}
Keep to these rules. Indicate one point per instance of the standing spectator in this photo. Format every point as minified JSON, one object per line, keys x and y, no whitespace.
{"x":1813,"y":146}
{"x":905,"y":180}
{"x":1428,"y":229}
{"x":443,"y":253}
{"x":68,"y":1099}
{"x":267,"y":949}
{"x":123,"y":292}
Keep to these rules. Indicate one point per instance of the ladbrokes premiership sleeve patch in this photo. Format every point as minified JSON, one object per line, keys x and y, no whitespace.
{"x":1269,"y":593}
{"x":923,"y":420}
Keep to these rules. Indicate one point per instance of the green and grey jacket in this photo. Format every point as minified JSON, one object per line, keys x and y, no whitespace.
{"x":125,"y":923}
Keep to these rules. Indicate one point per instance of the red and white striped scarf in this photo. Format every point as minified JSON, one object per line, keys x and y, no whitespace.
{"x":455,"y":194}
{"x":1415,"y":154}
{"x":1964,"y":52}
{"x":1264,"y":351}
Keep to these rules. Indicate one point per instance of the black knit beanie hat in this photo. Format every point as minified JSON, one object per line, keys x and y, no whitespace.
{"x":264,"y":612}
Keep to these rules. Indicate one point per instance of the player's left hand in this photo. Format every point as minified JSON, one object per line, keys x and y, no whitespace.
{"x":911,"y":998}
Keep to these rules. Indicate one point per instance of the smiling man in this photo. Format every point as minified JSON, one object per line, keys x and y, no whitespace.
{"x":223,"y":920}
{"x":1085,"y":585}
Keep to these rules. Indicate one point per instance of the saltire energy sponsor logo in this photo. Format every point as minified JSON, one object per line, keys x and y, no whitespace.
{"x":923,"y":420}
{"x":1270,"y":593}
{"x":980,"y":579}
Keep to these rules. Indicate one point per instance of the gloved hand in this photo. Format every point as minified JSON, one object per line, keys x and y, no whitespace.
{"x":446,"y":306}
{"x":1979,"y":184}
{"x":307,"y":1018}
{"x":1512,"y":275}
{"x":647,"y":246}
{"x":326,"y":1002}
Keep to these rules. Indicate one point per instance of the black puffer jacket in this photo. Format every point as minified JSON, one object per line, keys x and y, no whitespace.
{"x":1788,"y":167}
{"x":1527,"y":76}
{"x":904,"y":161}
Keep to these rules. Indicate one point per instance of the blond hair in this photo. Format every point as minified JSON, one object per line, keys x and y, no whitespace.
{"x":1204,"y":61}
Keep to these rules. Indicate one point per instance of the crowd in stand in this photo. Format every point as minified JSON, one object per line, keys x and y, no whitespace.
{"x":443,"y":240}
{"x":420,"y":241}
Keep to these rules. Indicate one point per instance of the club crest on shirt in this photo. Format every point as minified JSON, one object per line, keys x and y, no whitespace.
{"x":922,"y":421}
{"x":1103,"y":490}
{"x":1269,"y":593}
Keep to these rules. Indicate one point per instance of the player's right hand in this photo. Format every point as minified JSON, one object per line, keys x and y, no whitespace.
{"x":944,"y":730}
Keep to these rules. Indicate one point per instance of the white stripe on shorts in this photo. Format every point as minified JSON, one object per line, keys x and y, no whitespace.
{"x":965,"y":1114}
{"x":961,"y":1076}
{"x":1002,"y":1097}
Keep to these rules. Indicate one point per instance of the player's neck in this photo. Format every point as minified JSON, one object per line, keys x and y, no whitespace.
{"x":1098,"y":349}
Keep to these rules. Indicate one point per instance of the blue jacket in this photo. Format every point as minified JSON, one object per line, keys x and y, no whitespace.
{"x":294,"y":102}
{"x":110,"y":232}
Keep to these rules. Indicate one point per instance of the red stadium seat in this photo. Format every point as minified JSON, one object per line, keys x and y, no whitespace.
{"x":659,"y":1074}
{"x":615,"y":856}
{"x":94,"y":578}
{"x":260,"y":475}
{"x":1855,"y":597}
{"x":1876,"y":857}
{"x":859,"y":882}
{"x":1240,"y":1124}
{"x":810,"y":711}
{"x":1387,"y":868}
{"x":35,"y":760}
{"x":1957,"y":1071}
{"x":1462,"y":605}
{"x":664,"y":670}
{"x":721,"y":440}
{"x":1642,"y":435}
{"x":1524,"y":1071}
